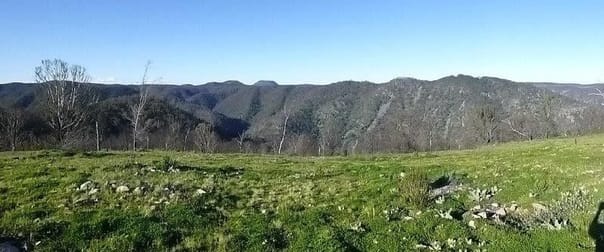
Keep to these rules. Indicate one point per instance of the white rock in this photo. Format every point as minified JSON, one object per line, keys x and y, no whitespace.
{"x":440,"y":200}
{"x":93,"y":191}
{"x":122,"y":189}
{"x":539,"y":207}
{"x":420,"y":246}
{"x":86,"y":186}
{"x":513,"y":207}
{"x":200,"y":192}
{"x":482,"y":215}
{"x":500,"y":211}
{"x":472,"y":224}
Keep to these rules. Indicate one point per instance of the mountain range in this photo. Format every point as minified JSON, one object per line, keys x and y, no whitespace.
{"x":404,"y":114}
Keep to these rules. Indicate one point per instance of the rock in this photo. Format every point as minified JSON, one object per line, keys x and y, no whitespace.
{"x":86,"y":186}
{"x":513,"y":207}
{"x":440,"y":200}
{"x":482,"y":215}
{"x":499,"y":211}
{"x":420,"y":246}
{"x":445,"y":190}
{"x":81,"y":200}
{"x":539,"y":207}
{"x":122,"y":189}
{"x":138,"y":190}
{"x":200,"y":192}
{"x":472,"y":224}
{"x":93,"y":191}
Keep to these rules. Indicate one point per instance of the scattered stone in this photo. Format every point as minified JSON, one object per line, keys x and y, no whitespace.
{"x":481,"y":215}
{"x":93,"y":191}
{"x":421,"y":246}
{"x":556,"y":224}
{"x":440,"y":200}
{"x":138,"y":190}
{"x":512,"y":208}
{"x":86,"y":186}
{"x":444,"y":186}
{"x":472,"y":224}
{"x":479,"y":195}
{"x":358,"y":227}
{"x":200,"y":192}
{"x":500,"y":212}
{"x":122,"y":189}
{"x":539,"y":207}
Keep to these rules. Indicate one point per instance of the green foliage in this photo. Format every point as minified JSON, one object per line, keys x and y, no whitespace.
{"x":166,"y":164}
{"x":414,"y":189}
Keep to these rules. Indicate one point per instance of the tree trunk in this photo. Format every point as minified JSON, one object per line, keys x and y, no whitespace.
{"x":283,"y":135}
{"x":98,"y":140}
{"x":134,"y":137}
{"x":13,"y":143}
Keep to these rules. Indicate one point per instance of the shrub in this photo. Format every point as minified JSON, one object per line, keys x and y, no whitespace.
{"x":166,"y":164}
{"x":415,"y":189}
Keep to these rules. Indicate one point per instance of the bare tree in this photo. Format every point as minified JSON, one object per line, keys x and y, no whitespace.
{"x":11,"y":123}
{"x":172,"y":133}
{"x":135,"y":110}
{"x":66,"y":93}
{"x":283,"y":129}
{"x":98,"y":135}
{"x":485,"y":119}
{"x":241,"y":137}
{"x":547,"y":116}
{"x":205,"y":138}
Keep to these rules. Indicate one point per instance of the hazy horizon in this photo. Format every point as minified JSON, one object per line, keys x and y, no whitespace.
{"x":298,"y":42}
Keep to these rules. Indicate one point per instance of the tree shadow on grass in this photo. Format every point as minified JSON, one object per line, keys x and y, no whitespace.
{"x":596,"y":229}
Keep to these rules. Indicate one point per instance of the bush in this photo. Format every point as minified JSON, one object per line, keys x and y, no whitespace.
{"x":166,"y":164}
{"x":415,"y":189}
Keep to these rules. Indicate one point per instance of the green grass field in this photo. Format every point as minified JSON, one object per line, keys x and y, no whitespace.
{"x":158,"y":201}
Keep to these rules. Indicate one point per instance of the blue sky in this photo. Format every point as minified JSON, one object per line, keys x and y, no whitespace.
{"x":306,"y":41}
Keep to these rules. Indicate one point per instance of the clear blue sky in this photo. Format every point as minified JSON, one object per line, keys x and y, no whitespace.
{"x":306,"y":41}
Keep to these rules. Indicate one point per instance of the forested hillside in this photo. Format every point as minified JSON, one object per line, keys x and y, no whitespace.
{"x":402,"y":115}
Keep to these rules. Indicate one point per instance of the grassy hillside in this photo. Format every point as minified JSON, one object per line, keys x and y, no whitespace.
{"x":188,"y":201}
